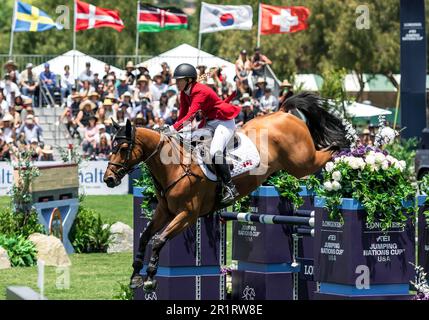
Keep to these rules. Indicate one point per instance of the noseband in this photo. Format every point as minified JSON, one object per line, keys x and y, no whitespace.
{"x":119,"y":140}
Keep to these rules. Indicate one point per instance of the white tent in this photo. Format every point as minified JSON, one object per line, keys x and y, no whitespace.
{"x":189,"y":54}
{"x":76,"y":60}
{"x":362,"y":110}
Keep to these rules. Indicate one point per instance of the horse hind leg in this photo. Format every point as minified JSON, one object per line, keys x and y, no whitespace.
{"x":160,"y":219}
{"x":176,"y":226}
{"x":320,"y":159}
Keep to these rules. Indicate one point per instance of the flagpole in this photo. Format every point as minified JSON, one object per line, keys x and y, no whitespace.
{"x":199,"y":35}
{"x":258,"y":42}
{"x":138,"y":33}
{"x":74,"y":39}
{"x":12,"y":30}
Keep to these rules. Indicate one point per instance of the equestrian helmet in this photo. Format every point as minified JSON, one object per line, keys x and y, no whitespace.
{"x":185,"y":70}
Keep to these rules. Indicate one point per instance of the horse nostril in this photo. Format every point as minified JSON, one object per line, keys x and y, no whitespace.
{"x":109,"y":181}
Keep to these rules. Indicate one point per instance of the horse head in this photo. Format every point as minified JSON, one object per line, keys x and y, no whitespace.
{"x":123,"y":157}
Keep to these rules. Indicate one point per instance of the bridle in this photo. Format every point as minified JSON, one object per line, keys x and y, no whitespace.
{"x":118,"y":141}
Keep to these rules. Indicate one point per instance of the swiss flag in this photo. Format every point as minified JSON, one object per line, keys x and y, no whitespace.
{"x":275,"y":19}
{"x":89,"y":16}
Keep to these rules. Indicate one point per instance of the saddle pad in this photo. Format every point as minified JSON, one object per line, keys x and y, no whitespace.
{"x":244,"y":157}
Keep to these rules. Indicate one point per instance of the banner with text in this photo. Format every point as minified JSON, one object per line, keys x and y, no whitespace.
{"x":90,"y":179}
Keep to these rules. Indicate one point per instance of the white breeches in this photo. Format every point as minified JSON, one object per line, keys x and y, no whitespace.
{"x":224,"y":131}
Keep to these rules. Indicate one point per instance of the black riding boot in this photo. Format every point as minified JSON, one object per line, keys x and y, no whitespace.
{"x":222,"y":170}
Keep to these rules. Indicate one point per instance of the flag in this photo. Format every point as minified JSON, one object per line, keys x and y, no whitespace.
{"x":30,"y":18}
{"x":89,"y":16}
{"x":275,"y":19}
{"x":218,"y":18}
{"x":154,"y":19}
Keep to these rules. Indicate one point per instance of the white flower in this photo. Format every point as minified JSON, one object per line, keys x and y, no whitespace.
{"x":336,"y":175}
{"x":390,"y":158}
{"x":379,"y":157}
{"x":402,"y":164}
{"x":385,"y":165}
{"x":370,"y":159}
{"x":336,"y":185}
{"x":388,"y":135}
{"x":355,"y":163}
{"x":327,"y":185}
{"x":373,"y":167}
{"x":329,"y":166}
{"x":361,"y":163}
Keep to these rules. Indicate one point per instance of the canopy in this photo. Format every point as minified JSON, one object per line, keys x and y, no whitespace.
{"x":189,"y":54}
{"x":362,"y":110}
{"x":76,"y":60}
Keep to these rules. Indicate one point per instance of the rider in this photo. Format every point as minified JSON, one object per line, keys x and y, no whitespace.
{"x":219,"y":114}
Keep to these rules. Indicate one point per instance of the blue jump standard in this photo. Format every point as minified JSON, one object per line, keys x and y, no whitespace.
{"x":185,"y":271}
{"x":267,"y":267}
{"x":378,"y":289}
{"x":269,"y":191}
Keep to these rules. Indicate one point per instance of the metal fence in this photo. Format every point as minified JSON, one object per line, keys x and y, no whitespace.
{"x":115,"y":60}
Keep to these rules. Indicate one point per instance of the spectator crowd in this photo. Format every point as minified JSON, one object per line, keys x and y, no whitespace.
{"x":93,"y":100}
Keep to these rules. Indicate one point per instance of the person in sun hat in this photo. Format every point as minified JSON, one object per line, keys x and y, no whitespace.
{"x":8,"y":126}
{"x":261,"y":84}
{"x":268,"y":102}
{"x":142,"y":89}
{"x":82,"y":120}
{"x":157,"y":88}
{"x":29,"y":82}
{"x":95,"y":98}
{"x":30,"y":130}
{"x":285,"y":91}
{"x":123,"y":85}
{"x":47,"y":153}
{"x":130,"y":73}
{"x":143,"y":70}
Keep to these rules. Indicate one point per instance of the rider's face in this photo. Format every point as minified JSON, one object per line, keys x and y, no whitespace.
{"x":181,"y":84}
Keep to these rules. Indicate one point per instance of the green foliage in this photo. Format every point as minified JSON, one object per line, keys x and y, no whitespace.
{"x":149,"y":190}
{"x":379,"y":183}
{"x":21,"y":252}
{"x":405,"y":150}
{"x":288,"y":187}
{"x":89,"y":232}
{"x":124,"y":292}
{"x":311,"y":183}
{"x":16,"y":224}
{"x":242,"y":205}
{"x":73,"y":155}
{"x":20,"y":193}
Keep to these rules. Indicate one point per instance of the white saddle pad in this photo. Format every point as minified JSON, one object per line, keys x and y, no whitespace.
{"x":243,"y":156}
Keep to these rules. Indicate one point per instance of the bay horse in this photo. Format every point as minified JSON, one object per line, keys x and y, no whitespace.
{"x":183,"y":192}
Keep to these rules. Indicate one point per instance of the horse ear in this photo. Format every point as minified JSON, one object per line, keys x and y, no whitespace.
{"x":115,"y":124}
{"x":128,"y":129}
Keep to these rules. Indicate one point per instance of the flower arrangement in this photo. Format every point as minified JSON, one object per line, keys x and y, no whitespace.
{"x":371,"y":176}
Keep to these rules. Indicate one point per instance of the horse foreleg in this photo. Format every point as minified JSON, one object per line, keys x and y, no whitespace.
{"x":176,"y":226}
{"x":159,"y":220}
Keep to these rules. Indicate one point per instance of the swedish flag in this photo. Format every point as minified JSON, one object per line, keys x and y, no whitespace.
{"x":30,"y":18}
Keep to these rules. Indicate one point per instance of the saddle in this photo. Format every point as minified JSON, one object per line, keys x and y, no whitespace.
{"x":241,"y":153}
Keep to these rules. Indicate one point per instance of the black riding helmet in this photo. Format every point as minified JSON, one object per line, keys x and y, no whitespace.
{"x":185,"y":70}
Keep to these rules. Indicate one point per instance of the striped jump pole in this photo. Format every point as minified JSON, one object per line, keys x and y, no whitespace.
{"x":269,"y":219}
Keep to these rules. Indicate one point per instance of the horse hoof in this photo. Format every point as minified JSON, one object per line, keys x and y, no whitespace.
{"x":136,"y":281}
{"x":150,"y":285}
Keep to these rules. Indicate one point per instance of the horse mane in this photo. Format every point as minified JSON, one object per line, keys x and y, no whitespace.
{"x":326,"y":130}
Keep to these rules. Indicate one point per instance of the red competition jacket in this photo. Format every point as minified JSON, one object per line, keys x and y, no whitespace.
{"x":205,"y":99}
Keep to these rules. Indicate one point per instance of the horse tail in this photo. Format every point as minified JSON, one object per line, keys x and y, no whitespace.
{"x":327,"y":131}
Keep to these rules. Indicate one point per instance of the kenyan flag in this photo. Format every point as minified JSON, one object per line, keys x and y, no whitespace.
{"x":154,"y":19}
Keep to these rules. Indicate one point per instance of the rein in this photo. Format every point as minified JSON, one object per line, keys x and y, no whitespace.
{"x":123,"y":168}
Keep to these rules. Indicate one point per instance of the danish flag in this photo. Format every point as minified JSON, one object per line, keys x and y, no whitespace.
{"x":89,"y":16}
